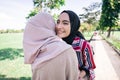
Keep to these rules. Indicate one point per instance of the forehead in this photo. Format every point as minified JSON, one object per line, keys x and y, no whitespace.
{"x":64,"y":16}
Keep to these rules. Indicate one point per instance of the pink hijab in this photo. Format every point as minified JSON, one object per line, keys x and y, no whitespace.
{"x":40,"y":42}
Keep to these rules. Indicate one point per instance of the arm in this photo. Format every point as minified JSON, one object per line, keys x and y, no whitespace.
{"x":88,"y":60}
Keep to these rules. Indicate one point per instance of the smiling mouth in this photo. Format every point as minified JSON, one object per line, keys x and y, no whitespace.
{"x":60,"y":32}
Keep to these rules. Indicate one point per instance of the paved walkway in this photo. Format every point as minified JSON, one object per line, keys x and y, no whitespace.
{"x":106,"y":59}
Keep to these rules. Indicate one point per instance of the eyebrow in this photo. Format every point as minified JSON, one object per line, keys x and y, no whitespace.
{"x":64,"y":20}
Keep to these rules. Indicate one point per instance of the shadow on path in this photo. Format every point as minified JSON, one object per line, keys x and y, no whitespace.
{"x":10,"y":53}
{"x":113,"y":57}
{"x":3,"y":77}
{"x":107,"y":60}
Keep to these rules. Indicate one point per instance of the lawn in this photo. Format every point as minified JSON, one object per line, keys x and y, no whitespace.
{"x":12,"y":65}
{"x":88,"y":35}
{"x":115,"y":34}
{"x":114,"y":39}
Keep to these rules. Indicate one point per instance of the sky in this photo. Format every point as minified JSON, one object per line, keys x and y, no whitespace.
{"x":13,"y":12}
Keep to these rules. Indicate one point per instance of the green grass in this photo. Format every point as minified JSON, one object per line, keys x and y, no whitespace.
{"x":88,"y":35}
{"x":115,"y":34}
{"x":114,"y":39}
{"x":12,"y":65}
{"x":11,"y":40}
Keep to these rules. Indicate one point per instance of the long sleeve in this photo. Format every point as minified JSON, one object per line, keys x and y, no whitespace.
{"x":85,"y":56}
{"x":88,"y":59}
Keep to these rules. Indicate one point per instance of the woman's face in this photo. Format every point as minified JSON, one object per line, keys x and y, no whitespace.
{"x":63,"y":25}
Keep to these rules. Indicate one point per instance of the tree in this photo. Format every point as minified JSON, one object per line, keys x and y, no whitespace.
{"x":109,"y":15}
{"x":45,"y":5}
{"x":91,"y":14}
{"x":32,"y":13}
{"x":51,"y":4}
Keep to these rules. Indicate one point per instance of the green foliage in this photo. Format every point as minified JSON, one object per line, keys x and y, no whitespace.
{"x":48,"y":3}
{"x":109,"y":15}
{"x":107,"y":18}
{"x":32,"y":13}
{"x":114,"y":39}
{"x":55,"y":16}
{"x":91,"y":15}
{"x":45,"y":4}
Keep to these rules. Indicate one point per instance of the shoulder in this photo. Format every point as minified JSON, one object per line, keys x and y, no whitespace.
{"x":86,"y":44}
{"x":78,"y":40}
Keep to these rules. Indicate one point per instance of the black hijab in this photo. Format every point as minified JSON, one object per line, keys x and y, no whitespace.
{"x":75,"y":24}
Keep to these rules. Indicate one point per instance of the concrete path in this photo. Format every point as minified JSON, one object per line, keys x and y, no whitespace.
{"x":106,"y":59}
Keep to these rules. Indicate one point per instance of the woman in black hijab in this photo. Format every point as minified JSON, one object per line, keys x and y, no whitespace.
{"x":67,"y":28}
{"x":75,"y":24}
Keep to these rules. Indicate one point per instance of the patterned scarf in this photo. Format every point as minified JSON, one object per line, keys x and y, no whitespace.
{"x":85,"y":56}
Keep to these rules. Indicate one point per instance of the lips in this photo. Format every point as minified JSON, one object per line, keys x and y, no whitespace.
{"x":60,"y":32}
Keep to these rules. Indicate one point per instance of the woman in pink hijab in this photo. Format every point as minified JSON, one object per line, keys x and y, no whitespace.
{"x":50,"y":57}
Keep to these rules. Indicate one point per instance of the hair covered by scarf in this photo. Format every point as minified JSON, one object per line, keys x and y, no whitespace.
{"x":40,"y":42}
{"x":75,"y":24}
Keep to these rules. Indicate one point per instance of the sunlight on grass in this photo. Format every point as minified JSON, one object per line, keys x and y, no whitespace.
{"x":12,"y":65}
{"x":88,"y":35}
{"x":11,"y":40}
{"x":15,"y":68}
{"x":114,"y":41}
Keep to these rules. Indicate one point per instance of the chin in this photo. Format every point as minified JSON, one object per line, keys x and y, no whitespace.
{"x":61,"y":35}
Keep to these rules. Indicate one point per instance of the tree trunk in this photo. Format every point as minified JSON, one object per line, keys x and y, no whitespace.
{"x":109,"y":31}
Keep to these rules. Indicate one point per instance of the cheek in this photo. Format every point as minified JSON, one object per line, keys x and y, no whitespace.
{"x":56,"y":28}
{"x":68,"y":30}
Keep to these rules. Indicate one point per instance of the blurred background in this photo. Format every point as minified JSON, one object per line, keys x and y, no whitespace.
{"x":99,"y":19}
